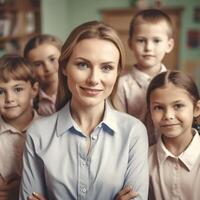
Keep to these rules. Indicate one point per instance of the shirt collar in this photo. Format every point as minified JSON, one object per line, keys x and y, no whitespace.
{"x":43,"y":95}
{"x":65,"y":121}
{"x":4,"y":127}
{"x":188,"y":157}
{"x":142,"y":78}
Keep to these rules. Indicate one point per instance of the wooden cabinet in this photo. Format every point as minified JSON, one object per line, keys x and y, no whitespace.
{"x":19,"y":20}
{"x":120,"y":20}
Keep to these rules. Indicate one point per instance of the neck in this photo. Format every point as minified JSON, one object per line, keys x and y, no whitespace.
{"x":50,"y":90}
{"x":178,"y":145}
{"x":87,"y":118}
{"x":151,"y":71}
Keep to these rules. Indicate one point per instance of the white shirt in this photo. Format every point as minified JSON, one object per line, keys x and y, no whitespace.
{"x":57,"y":165}
{"x":175,"y":177}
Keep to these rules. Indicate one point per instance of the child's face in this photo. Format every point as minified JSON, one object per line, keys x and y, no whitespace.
{"x":172,"y":111}
{"x":45,"y":59}
{"x":150,"y":43}
{"x":92,"y":71}
{"x":16,"y":98}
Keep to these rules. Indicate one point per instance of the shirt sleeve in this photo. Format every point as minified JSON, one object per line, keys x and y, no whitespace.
{"x":137,"y":174}
{"x":32,"y":175}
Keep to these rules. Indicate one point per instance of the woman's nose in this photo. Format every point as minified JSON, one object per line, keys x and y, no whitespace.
{"x":93,"y":78}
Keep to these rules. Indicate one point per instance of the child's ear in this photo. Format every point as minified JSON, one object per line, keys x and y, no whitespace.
{"x":197,"y":109}
{"x":35,"y":89}
{"x":170,"y":45}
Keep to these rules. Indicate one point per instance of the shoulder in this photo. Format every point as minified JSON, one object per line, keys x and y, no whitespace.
{"x":128,"y":123}
{"x":43,"y":127}
{"x":152,"y":156}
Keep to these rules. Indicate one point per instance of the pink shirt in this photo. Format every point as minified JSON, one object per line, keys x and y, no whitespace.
{"x":175,"y":177}
{"x":46,"y":105}
{"x":11,"y":149}
{"x":131,"y":96}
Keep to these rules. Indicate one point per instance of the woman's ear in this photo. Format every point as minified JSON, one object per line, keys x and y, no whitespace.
{"x":64,"y":71}
{"x":197,"y":109}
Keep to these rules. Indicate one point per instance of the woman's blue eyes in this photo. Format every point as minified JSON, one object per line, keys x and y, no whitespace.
{"x":82,"y":65}
{"x":104,"y":68}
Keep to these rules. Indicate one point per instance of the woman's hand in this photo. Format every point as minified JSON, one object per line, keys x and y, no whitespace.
{"x":36,"y":196}
{"x":126,"y":193}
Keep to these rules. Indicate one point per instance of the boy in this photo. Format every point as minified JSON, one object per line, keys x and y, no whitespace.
{"x":18,"y":88}
{"x":150,"y":38}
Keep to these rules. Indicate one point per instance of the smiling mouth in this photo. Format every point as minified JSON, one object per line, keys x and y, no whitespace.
{"x":169,"y":125}
{"x":91,"y":92}
{"x":10,"y":107}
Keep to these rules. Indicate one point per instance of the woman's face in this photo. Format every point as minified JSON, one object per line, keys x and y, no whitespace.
{"x":92,"y":71}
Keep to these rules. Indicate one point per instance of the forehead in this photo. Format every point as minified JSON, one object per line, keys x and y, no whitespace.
{"x":156,"y":28}
{"x":12,"y":83}
{"x":95,"y":48}
{"x":42,"y":51}
{"x":170,"y":93}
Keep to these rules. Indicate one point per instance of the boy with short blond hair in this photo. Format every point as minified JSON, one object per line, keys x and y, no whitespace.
{"x":18,"y":88}
{"x":150,"y":38}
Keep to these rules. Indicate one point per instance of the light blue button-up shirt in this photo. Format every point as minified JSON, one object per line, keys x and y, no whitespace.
{"x":57,"y":165}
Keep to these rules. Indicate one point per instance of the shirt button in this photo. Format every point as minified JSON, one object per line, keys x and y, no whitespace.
{"x":83,"y":190}
{"x":94,"y":137}
{"x":83,"y":163}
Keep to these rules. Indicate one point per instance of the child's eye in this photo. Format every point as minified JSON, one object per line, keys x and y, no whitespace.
{"x":158,"y":108}
{"x":178,"y":106}
{"x":140,"y":40}
{"x":18,"y":89}
{"x":1,"y":92}
{"x":157,"y":40}
{"x":53,"y":59}
{"x":37,"y":64}
{"x":82,"y":65}
{"x":107,"y":68}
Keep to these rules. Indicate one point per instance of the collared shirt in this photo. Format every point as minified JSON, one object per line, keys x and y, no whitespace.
{"x":12,"y":144}
{"x":46,"y":104}
{"x":130,"y":96}
{"x":175,"y":177}
{"x":57,"y":165}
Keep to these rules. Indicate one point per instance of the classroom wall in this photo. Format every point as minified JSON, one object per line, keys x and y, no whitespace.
{"x":61,"y":16}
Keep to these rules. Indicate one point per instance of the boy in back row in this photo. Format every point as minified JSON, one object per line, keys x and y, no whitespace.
{"x":150,"y":38}
{"x":18,"y":88}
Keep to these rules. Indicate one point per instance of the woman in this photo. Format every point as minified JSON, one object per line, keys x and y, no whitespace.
{"x":87,"y":150}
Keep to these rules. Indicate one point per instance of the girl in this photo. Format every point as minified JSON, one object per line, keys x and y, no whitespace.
{"x":174,"y":162}
{"x":18,"y":88}
{"x":84,"y":151}
{"x":44,"y":51}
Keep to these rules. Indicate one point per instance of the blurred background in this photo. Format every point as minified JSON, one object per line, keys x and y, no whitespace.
{"x":21,"y":19}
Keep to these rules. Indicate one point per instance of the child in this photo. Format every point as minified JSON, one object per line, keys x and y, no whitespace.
{"x":18,"y":87}
{"x":150,"y":38}
{"x":44,"y":51}
{"x":174,"y":162}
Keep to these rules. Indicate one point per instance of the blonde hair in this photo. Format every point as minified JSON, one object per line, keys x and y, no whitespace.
{"x":151,"y":16}
{"x":88,"y":30}
{"x":39,"y":40}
